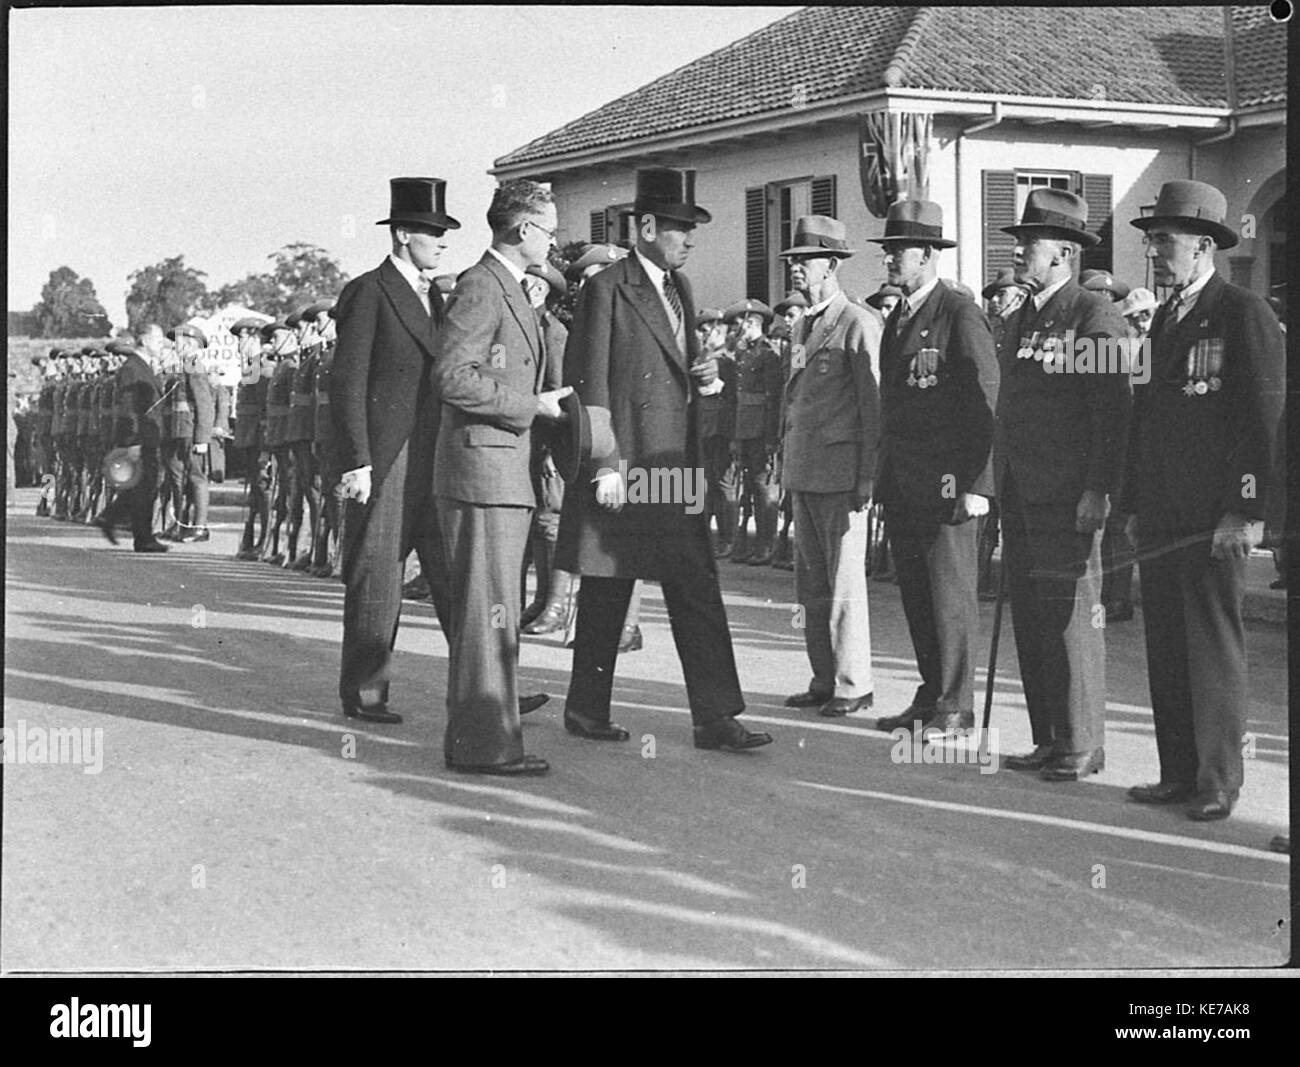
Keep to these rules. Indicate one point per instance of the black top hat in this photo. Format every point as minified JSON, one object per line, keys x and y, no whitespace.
{"x":420,"y":202}
{"x":670,"y":194}
{"x":1198,"y":205}
{"x":1057,"y":213}
{"x":916,"y":222}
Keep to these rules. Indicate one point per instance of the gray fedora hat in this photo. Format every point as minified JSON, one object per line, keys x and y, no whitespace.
{"x":1197,"y":205}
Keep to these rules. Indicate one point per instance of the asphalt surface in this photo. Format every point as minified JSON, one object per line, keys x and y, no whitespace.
{"x":240,"y":821}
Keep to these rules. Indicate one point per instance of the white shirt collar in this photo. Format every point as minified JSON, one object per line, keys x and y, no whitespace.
{"x":407,"y":270}
{"x":653,"y":270}
{"x":817,"y":309}
{"x":916,"y":299}
{"x":1192,"y":290}
{"x":515,"y":272}
{"x":1041,"y":298}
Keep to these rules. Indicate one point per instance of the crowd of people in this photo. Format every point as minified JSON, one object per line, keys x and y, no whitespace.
{"x":480,"y":423}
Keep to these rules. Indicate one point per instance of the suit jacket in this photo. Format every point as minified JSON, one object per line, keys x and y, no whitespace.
{"x":937,"y":442}
{"x":381,"y":386}
{"x":1060,"y":433}
{"x":624,"y":364}
{"x":136,"y":393}
{"x":489,"y":366}
{"x":1193,"y":458}
{"x":832,"y":408}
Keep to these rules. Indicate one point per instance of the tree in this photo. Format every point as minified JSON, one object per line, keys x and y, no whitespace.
{"x":299,"y":274}
{"x":69,"y":308}
{"x":167,"y":293}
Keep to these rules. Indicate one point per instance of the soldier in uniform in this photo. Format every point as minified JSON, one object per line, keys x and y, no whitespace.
{"x":1102,"y":281}
{"x":279,"y":398}
{"x":187,"y":435}
{"x":250,"y":419}
{"x":717,"y":420}
{"x":758,"y":426}
{"x":1197,"y":486}
{"x":832,"y":423}
{"x":300,"y":438}
{"x":66,"y":398}
{"x":93,"y":443}
{"x":789,"y":311}
{"x":87,"y":439}
{"x":1061,"y":433}
{"x":938,"y":388}
{"x":325,"y":530}
{"x":46,"y":459}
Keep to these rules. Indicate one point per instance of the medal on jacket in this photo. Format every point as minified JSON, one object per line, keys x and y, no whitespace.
{"x":923,"y":372}
{"x":1204,"y":365}
{"x":1027,"y":346}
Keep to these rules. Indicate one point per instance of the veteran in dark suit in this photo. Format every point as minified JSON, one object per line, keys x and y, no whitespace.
{"x":831,"y":428}
{"x":385,"y":427}
{"x":136,"y":424}
{"x":938,"y":390}
{"x":636,"y":508}
{"x":1197,"y":486}
{"x":1061,"y":428}
{"x":489,"y":372}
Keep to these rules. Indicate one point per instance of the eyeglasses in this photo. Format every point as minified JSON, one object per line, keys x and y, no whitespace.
{"x":537,"y":225}
{"x":1159,"y":240}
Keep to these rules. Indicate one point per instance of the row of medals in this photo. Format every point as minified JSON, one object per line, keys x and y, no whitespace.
{"x":922,"y":374}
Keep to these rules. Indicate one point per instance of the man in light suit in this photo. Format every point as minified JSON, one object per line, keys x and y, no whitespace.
{"x":938,"y":388}
{"x":831,"y":427}
{"x":632,"y":359}
{"x":1198,"y":488}
{"x":489,"y":371}
{"x":385,"y":426}
{"x":1059,"y":446}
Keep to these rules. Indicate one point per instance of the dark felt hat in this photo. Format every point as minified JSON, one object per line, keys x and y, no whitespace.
{"x":418,"y":201}
{"x":585,"y":433}
{"x":1197,"y":205}
{"x":669,"y":193}
{"x":1056,"y":213}
{"x":914,"y":222}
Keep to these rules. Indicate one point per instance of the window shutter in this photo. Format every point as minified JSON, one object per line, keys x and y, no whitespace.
{"x":598,"y":227}
{"x":999,"y":206}
{"x":1096,"y":190}
{"x":823,"y":196}
{"x":756,"y":266}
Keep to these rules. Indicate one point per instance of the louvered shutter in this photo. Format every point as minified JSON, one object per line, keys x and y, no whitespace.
{"x":999,"y":208}
{"x":1096,"y":190}
{"x":756,"y":264}
{"x":823,"y":196}
{"x":598,"y":227}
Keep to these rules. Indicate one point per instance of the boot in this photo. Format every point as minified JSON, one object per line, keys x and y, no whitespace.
{"x":544,"y":561}
{"x":727,"y":522}
{"x":765,"y":521}
{"x":554,"y":616}
{"x":784,"y":560}
{"x":740,"y":553}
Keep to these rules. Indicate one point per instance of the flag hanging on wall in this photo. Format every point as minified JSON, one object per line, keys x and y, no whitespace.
{"x":894,"y":157}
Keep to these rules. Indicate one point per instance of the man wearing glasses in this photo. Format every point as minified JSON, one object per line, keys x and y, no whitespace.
{"x":385,"y":424}
{"x":489,"y":369}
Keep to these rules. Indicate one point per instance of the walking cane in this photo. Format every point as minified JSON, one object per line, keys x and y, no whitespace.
{"x":993,"y":647}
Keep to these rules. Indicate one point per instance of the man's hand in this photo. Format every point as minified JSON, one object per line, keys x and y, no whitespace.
{"x":1090,"y":515}
{"x":862,"y":494}
{"x":611,"y":494}
{"x":1235,"y":536}
{"x":199,"y":449}
{"x":705,"y":372}
{"x":355,"y":485}
{"x":969,"y":506}
{"x":548,"y":404}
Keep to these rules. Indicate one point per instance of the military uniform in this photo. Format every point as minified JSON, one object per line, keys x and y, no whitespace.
{"x":300,"y":438}
{"x":249,"y":441}
{"x":279,"y":400}
{"x":326,"y":464}
{"x":757,"y":432}
{"x":187,"y":421}
{"x":716,"y":413}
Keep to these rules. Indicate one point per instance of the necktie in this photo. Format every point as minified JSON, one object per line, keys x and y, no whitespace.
{"x":904,"y":314}
{"x":674,"y":298}
{"x":425,"y":285}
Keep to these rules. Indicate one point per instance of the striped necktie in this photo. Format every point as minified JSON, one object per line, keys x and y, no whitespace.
{"x":674,"y":298}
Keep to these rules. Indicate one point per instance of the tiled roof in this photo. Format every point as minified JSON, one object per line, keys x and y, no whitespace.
{"x":819,"y":55}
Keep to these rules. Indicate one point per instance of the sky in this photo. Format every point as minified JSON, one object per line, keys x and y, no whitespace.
{"x":225,"y":133}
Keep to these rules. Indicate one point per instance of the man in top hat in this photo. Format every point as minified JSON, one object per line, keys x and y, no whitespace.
{"x":187,"y":434}
{"x":757,"y":429}
{"x":385,"y":412}
{"x":137,"y":424}
{"x":934,"y":472}
{"x":832,"y":424}
{"x":1198,"y":485}
{"x":490,"y":372}
{"x":633,"y":361}
{"x":1062,"y":419}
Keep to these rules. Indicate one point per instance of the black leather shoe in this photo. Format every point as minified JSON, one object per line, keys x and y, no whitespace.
{"x":592,"y":730}
{"x":728,"y":734}
{"x":838,"y":706}
{"x":1210,"y":807}
{"x":1074,"y":767}
{"x":371,"y":713}
{"x":192,"y":534}
{"x":1162,"y":793}
{"x":906,"y":720}
{"x":948,"y":722}
{"x":152,"y":546}
{"x":528,"y":766}
{"x":807,"y":699}
{"x":532,"y":702}
{"x":1030,"y":761}
{"x":106,"y":528}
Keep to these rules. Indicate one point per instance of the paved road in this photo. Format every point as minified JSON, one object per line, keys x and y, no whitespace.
{"x":238,"y":820}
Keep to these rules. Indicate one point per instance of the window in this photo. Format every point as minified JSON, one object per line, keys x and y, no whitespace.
{"x":615,"y":224}
{"x":771,"y":212}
